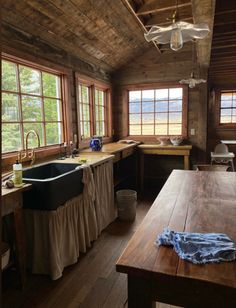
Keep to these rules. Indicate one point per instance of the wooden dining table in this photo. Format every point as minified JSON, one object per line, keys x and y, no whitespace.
{"x":190,"y":201}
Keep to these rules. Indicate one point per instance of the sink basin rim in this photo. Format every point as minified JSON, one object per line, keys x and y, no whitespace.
{"x":50,"y":178}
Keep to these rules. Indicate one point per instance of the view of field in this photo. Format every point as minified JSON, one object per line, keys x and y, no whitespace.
{"x":155,"y":112}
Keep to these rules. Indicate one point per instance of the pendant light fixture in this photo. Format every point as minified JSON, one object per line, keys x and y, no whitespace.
{"x":177,"y":33}
{"x":192,"y":81}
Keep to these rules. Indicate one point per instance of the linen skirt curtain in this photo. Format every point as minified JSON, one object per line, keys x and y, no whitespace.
{"x":56,"y":238}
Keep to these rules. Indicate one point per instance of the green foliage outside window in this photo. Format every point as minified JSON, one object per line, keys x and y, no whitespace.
{"x":31,"y":99}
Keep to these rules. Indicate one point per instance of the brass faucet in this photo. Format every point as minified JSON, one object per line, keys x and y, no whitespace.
{"x":28,"y":154}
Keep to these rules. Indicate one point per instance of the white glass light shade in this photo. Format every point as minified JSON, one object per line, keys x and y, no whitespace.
{"x":176,"y":39}
{"x":189,"y":32}
{"x":192,"y":82}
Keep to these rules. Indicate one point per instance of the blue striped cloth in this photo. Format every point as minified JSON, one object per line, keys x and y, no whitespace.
{"x":199,"y":248}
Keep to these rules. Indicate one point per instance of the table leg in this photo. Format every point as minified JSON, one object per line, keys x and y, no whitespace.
{"x":139,"y":293}
{"x":186,"y":162}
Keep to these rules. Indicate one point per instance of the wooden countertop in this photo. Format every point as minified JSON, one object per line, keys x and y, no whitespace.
{"x":7,"y":191}
{"x":92,"y":159}
{"x":111,"y":148}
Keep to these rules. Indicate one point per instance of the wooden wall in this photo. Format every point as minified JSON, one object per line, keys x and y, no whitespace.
{"x":34,"y":49}
{"x":167,"y":67}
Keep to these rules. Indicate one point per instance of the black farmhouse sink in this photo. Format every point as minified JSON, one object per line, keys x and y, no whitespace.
{"x":52,"y":185}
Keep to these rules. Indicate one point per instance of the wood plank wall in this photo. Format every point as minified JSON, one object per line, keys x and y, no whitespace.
{"x":25,"y":46}
{"x":168,"y":67}
{"x":34,"y":49}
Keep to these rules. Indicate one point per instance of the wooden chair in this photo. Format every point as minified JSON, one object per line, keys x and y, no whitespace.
{"x":221,"y":154}
{"x":212,"y":168}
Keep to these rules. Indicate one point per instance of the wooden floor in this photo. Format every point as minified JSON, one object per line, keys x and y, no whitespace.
{"x":91,"y":283}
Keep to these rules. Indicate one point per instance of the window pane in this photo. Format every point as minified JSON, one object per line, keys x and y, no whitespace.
{"x":161,"y":129}
{"x":101,"y":98}
{"x":234,"y":116}
{"x":30,"y":80}
{"x":175,"y":129}
{"x":135,"y":96}
{"x":234,"y":103}
{"x":148,"y":118}
{"x":135,"y":129}
{"x":161,"y":94}
{"x":147,"y":107}
{"x":148,"y":130}
{"x":11,"y":137}
{"x":175,"y":117}
{"x":148,"y":95}
{"x":101,"y":113}
{"x":161,"y":106}
{"x":176,"y":93}
{"x":225,"y":112}
{"x":9,"y":80}
{"x":52,"y":109}
{"x":85,"y":94}
{"x":226,"y":96}
{"x":96,"y":113}
{"x":161,"y":118}
{"x":102,"y":127}
{"x":85,"y":114}
{"x":53,"y":133}
{"x":225,"y":119}
{"x":135,"y":118}
{"x":10,"y":107}
{"x":38,"y":127}
{"x":31,"y":108}
{"x":226,"y":104}
{"x":51,"y":85}
{"x":134,"y":107}
{"x":86,"y":130}
{"x":175,"y":105}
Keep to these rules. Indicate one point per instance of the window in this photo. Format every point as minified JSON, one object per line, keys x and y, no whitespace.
{"x":228,"y":107}
{"x":31,"y":99}
{"x":157,"y":111}
{"x":94,"y":108}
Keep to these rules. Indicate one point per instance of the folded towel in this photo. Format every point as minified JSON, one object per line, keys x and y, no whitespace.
{"x":199,"y":248}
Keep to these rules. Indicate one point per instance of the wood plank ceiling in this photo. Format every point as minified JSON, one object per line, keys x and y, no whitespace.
{"x":223,"y":54}
{"x":105,"y":33}
{"x":101,"y":32}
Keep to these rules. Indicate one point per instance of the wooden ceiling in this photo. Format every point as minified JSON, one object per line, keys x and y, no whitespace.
{"x":159,"y":13}
{"x":109,"y":33}
{"x":101,"y":32}
{"x":223,"y":52}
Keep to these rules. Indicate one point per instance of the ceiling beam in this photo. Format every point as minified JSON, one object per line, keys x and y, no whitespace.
{"x":132,"y":11}
{"x":203,"y":12}
{"x":160,"y":6}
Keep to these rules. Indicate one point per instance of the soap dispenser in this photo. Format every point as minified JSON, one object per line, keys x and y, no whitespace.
{"x":17,"y":174}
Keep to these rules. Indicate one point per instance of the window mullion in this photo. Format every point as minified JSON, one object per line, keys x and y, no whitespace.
{"x":20,"y":106}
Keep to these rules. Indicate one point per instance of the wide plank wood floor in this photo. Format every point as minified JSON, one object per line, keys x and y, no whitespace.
{"x":91,"y":283}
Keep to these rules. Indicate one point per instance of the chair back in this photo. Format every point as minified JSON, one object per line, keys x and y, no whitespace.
{"x":221,"y":148}
{"x":212,"y":168}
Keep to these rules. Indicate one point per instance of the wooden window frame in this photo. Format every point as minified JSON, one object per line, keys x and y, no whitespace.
{"x":154,"y":86}
{"x":219,"y":125}
{"x":103,"y":86}
{"x":23,"y":59}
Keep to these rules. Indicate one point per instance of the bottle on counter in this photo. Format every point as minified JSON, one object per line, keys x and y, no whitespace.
{"x":17,"y":174}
